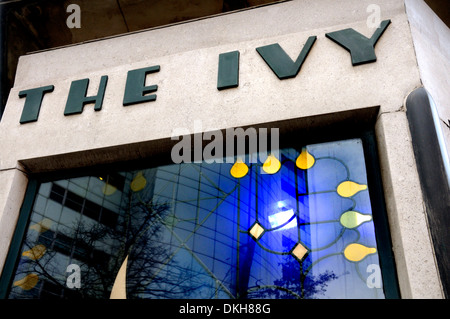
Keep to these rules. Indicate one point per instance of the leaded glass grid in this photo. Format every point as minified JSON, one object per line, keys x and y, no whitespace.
{"x":202,"y":230}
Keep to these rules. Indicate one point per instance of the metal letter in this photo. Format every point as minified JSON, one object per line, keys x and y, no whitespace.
{"x":362,"y":49}
{"x":228,"y":76}
{"x":33,"y":103}
{"x":77,"y":96}
{"x":135,"y":88}
{"x":280,"y":63}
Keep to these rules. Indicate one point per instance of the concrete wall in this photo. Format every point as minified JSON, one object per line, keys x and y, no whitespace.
{"x":188,"y":56}
{"x":431,"y":38}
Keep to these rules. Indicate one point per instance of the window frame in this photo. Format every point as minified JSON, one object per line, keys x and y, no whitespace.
{"x":376,"y":193}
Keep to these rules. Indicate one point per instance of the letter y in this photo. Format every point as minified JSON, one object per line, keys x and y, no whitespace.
{"x":362,"y":49}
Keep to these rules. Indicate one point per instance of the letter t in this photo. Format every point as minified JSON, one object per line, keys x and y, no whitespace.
{"x":33,"y":103}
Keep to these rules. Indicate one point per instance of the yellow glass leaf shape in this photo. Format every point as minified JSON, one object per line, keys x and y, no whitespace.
{"x":42,"y":226}
{"x":357,"y":252}
{"x":271,"y":165}
{"x":305,"y":160}
{"x":108,"y":189}
{"x":239,"y":169}
{"x":138,"y":183}
{"x":352,"y":219}
{"x":349,"y":188}
{"x":28,"y":282}
{"x":35,"y":253}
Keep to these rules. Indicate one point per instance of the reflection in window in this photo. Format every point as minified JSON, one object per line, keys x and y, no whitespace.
{"x":298,"y":228}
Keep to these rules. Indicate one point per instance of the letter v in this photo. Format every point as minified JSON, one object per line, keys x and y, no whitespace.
{"x":280,"y":63}
{"x":362,"y":49}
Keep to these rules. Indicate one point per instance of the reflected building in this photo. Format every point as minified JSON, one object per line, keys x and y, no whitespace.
{"x":197,"y":231}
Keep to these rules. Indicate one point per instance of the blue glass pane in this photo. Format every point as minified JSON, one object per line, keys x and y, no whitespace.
{"x":194,"y":231}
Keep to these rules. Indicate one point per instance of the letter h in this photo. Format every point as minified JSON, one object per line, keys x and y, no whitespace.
{"x":77,"y":96}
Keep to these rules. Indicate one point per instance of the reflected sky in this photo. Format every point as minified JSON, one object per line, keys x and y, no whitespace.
{"x":300,"y":230}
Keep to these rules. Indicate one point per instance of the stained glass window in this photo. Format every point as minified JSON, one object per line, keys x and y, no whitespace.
{"x":299,"y":225}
